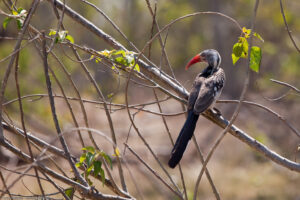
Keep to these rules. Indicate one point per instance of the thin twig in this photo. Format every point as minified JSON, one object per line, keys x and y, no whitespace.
{"x":16,"y":172}
{"x":19,"y":49}
{"x":56,"y":186}
{"x":162,"y":44}
{"x":5,"y":186}
{"x":23,"y":121}
{"x":287,"y":27}
{"x":280,"y":97}
{"x":121,"y":106}
{"x":18,"y":178}
{"x":68,"y":103}
{"x":59,"y":24}
{"x":152,"y":171}
{"x":286,"y":84}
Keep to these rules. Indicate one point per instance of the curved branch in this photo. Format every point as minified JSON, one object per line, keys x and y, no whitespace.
{"x":286,"y":84}
{"x":287,"y":27}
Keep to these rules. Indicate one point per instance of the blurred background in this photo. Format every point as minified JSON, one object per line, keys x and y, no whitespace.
{"x":238,"y":171}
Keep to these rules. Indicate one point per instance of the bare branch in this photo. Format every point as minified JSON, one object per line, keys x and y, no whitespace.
{"x":286,"y":84}
{"x":5,"y":186}
{"x":287,"y":27}
{"x":53,"y":110}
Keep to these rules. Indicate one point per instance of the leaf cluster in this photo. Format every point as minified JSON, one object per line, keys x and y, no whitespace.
{"x":89,"y":160}
{"x":119,"y":57}
{"x":61,"y":36}
{"x":19,"y":15}
{"x":240,"y":50}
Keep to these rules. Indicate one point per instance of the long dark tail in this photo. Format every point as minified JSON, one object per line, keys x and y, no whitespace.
{"x":185,"y":135}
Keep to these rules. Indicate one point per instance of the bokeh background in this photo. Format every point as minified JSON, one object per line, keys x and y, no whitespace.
{"x":238,"y":171}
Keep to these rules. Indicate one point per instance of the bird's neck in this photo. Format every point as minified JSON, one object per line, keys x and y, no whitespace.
{"x":209,"y":70}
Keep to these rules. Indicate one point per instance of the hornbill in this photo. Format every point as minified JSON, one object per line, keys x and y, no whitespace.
{"x":206,"y":89}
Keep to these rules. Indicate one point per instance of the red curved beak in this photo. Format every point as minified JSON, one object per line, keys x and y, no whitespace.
{"x":194,"y":60}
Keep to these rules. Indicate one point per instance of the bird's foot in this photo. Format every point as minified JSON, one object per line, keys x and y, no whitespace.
{"x":216,"y":111}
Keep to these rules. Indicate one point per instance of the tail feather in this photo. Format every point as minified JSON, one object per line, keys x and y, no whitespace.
{"x":185,"y":135}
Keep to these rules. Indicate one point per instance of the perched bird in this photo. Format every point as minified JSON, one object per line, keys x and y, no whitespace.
{"x":206,"y":89}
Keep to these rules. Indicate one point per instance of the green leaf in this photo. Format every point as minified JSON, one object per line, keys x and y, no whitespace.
{"x":89,"y":149}
{"x":97,"y":167}
{"x":19,"y":23}
{"x":82,"y":158}
{"x":234,"y":58}
{"x":258,"y":36}
{"x":70,"y":192}
{"x":107,"y":158}
{"x":89,"y":159}
{"x":102,"y":176}
{"x":255,"y":58}
{"x":122,"y":52}
{"x":137,"y":68}
{"x":70,"y":38}
{"x":5,"y":22}
{"x":121,"y":61}
{"x":245,"y":47}
{"x":14,"y":12}
{"x":79,"y":164}
{"x":88,"y":171}
{"x":237,"y":49}
{"x":19,"y":9}
{"x":52,"y":32}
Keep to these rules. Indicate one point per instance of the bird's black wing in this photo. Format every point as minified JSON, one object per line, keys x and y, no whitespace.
{"x":194,"y":92}
{"x":209,"y":92}
{"x":205,"y":97}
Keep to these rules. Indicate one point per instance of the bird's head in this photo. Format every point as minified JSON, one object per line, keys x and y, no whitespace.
{"x":210,"y":56}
